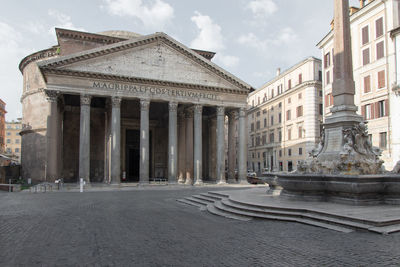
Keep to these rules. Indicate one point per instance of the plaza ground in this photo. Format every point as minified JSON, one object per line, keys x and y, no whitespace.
{"x":148,"y":227}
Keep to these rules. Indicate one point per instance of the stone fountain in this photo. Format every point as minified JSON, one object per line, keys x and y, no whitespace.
{"x":345,"y":167}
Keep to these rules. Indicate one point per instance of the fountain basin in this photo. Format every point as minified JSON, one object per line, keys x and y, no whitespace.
{"x":350,"y":189}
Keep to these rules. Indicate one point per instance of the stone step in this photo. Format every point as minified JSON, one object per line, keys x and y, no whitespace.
{"x":298,"y":214}
{"x":237,"y":212}
{"x":385,"y":230}
{"x":217,"y":194}
{"x":185,"y":201}
{"x":214,"y":210}
{"x":204,"y":198}
{"x":214,"y":197}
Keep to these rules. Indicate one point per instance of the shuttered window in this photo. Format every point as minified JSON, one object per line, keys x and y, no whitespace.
{"x":299,"y":111}
{"x":365,"y":35}
{"x":366,"y":56}
{"x":379,"y":50}
{"x":300,"y":78}
{"x":379,"y":27}
{"x":367,"y":84}
{"x":381,"y":79}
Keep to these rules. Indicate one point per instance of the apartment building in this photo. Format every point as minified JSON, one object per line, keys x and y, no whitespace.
{"x":284,"y":117}
{"x":13,"y":139}
{"x":374,"y":70}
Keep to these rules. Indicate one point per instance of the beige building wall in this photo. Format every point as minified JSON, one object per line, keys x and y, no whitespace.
{"x":373,"y":69}
{"x":284,"y":118}
{"x":13,"y":139}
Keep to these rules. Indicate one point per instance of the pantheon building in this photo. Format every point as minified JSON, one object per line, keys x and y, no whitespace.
{"x":116,"y":107}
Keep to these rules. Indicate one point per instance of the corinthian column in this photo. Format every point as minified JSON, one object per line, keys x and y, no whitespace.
{"x":242,"y":173}
{"x":182,"y":147}
{"x":52,"y":133}
{"x":172,"y":143}
{"x":116,"y":140}
{"x":198,"y":157}
{"x":221,"y":179}
{"x":189,"y":146}
{"x":144,"y":141}
{"x":84,"y":139}
{"x":231,"y":146}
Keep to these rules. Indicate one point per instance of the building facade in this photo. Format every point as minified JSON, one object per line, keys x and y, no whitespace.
{"x":374,"y":70}
{"x":284,"y":118}
{"x":2,"y":125}
{"x":120,"y":107}
{"x":13,"y":139}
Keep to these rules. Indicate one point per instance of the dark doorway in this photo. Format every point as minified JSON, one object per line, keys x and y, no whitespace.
{"x":132,"y":155}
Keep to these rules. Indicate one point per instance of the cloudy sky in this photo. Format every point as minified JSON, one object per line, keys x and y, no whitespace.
{"x":252,"y":38}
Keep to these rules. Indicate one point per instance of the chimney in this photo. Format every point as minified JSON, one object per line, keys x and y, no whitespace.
{"x":361,"y":3}
{"x":278,"y":71}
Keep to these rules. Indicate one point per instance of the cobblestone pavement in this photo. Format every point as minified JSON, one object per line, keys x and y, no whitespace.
{"x":147,"y":227}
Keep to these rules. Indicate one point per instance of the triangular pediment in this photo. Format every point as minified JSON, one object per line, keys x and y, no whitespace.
{"x":155,"y":57}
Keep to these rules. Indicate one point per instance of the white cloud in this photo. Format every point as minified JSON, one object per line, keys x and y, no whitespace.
{"x":210,"y":38}
{"x":12,"y":50}
{"x":154,"y":16}
{"x":262,"y":8}
{"x":285,"y":36}
{"x":63,"y":21}
{"x":227,"y":60}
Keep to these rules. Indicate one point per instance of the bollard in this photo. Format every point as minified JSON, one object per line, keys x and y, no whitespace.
{"x":81,"y":185}
{"x":9,"y":185}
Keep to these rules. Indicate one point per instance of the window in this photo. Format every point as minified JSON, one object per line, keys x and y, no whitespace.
{"x":258,"y":114}
{"x":288,"y":115}
{"x":379,"y":27}
{"x":271,"y":137}
{"x":252,"y":103}
{"x":8,"y":133}
{"x":289,"y":84}
{"x":280,"y":104}
{"x":300,"y":132}
{"x":258,"y":125}
{"x":382,"y":140}
{"x":300,"y":151}
{"x":381,"y":108}
{"x":17,"y":150}
{"x":327,"y":60}
{"x":264,"y":111}
{"x":289,"y":100}
{"x":280,"y":166}
{"x":320,"y":93}
{"x":289,"y":134}
{"x":8,"y":150}
{"x":321,"y":109}
{"x":290,"y":166}
{"x":280,"y":153}
{"x":17,"y":140}
{"x":367,"y":84}
{"x":272,"y":93}
{"x":329,"y":100}
{"x":319,"y":75}
{"x":253,"y":155}
{"x":264,"y":139}
{"x":289,"y":152}
{"x":272,"y":120}
{"x":299,"y":111}
{"x":280,"y":117}
{"x":300,"y":95}
{"x":8,"y":141}
{"x":328,"y":77}
{"x":300,"y":78}
{"x":265,"y":122}
{"x":379,"y":50}
{"x":252,"y":142}
{"x":257,"y":140}
{"x":381,"y":79}
{"x":365,"y":53}
{"x":280,"y":136}
{"x":252,"y":127}
{"x":365,"y":35}
{"x":367,"y":112}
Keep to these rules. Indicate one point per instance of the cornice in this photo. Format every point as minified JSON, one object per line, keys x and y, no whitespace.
{"x":31,"y":92}
{"x":86,"y":36}
{"x":158,"y":37}
{"x":314,"y":83}
{"x":42,"y":54}
{"x":107,"y":77}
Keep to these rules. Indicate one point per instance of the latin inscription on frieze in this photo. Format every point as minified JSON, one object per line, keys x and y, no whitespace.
{"x":154,"y":91}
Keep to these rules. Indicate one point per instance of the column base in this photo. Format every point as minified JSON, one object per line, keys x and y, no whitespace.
{"x":232,"y":181}
{"x":199,"y":182}
{"x":189,"y":182}
{"x":221,"y":183}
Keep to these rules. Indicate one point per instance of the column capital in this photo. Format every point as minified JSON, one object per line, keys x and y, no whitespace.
{"x":189,"y":112}
{"x":198,"y":109}
{"x":242,"y":112}
{"x":116,"y":101}
{"x":172,"y":106}
{"x":52,"y":95}
{"x":85,"y":100}
{"x":220,"y":111}
{"x":232,"y":114}
{"x":144,"y":104}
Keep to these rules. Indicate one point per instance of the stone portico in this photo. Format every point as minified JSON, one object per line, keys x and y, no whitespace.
{"x":111,"y":109}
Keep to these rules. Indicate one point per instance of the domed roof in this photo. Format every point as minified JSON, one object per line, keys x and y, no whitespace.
{"x":121,"y":34}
